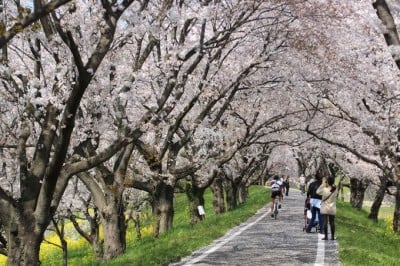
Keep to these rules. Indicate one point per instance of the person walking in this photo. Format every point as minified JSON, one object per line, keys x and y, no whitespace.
{"x":302,"y":182}
{"x":286,"y":184}
{"x":309,"y":183}
{"x":328,"y":192}
{"x":315,"y":203}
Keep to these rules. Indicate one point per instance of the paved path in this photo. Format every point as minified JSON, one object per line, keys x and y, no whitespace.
{"x":261,"y":240}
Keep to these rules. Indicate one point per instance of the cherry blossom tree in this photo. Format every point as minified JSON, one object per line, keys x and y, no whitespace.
{"x":192,"y":88}
{"x":22,"y":17}
{"x":41,"y":119}
{"x":354,"y":109}
{"x":144,"y":94}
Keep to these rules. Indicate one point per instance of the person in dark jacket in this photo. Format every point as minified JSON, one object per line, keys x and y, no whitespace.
{"x":286,"y":183}
{"x":315,"y":202}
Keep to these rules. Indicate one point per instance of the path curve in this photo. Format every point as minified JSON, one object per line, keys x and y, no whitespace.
{"x":261,"y":240}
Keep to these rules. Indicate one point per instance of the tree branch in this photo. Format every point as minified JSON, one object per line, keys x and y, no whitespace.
{"x":341,"y":145}
{"x":5,"y":37}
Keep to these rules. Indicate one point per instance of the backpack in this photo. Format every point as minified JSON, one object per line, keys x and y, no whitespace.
{"x":275,"y":186}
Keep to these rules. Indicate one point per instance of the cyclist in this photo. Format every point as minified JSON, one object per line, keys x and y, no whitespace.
{"x":283,"y":189}
{"x":276,"y":191}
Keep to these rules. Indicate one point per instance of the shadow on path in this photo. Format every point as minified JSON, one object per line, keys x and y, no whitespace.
{"x":262,"y":240}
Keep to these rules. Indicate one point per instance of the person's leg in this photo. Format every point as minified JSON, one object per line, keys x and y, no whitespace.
{"x":274,"y":198}
{"x":325,"y":218}
{"x":320,"y":220}
{"x":332,"y":224}
{"x":311,"y":222}
{"x":287,"y":189}
{"x":272,"y":204}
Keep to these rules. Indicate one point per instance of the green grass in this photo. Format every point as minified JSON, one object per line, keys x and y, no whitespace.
{"x":183,"y":239}
{"x":362,"y":242}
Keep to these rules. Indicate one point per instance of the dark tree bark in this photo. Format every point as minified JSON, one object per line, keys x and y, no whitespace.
{"x":195,"y":196}
{"x":135,"y":218}
{"x":93,"y":236}
{"x":3,"y":25}
{"x":114,"y":229}
{"x":380,"y":194}
{"x":3,"y":241}
{"x":243,"y":192}
{"x":163,"y":209}
{"x":396,"y":215}
{"x":357,"y":192}
{"x":29,"y":19}
{"x":231,"y":192}
{"x":391,"y":35}
{"x":218,"y":195}
{"x":107,"y":191}
{"x":59,"y":229}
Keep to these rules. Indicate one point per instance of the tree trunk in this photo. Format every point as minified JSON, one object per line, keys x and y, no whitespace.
{"x":24,"y":244}
{"x":195,"y":196}
{"x":390,"y":34}
{"x":242,"y":193}
{"x":357,"y":190}
{"x":113,"y":222}
{"x":231,"y":195}
{"x":218,"y":196}
{"x":163,"y":208}
{"x":27,"y":252}
{"x":137,"y":227}
{"x":97,"y":245}
{"x":396,"y":215}
{"x":380,"y":194}
{"x":91,"y":235}
{"x":3,"y":25}
{"x":340,"y":188}
{"x":59,"y":227}
{"x":64,"y":246}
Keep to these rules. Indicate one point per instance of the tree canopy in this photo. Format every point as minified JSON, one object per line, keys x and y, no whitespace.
{"x":148,"y":94}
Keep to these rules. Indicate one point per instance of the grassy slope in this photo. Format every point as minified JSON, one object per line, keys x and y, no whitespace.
{"x":184,"y":239}
{"x":362,"y":242}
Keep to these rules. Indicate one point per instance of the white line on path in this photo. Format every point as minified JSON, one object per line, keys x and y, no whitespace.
{"x":223,"y":242}
{"x":320,"y":258}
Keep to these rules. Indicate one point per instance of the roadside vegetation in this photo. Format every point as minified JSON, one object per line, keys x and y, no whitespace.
{"x":179,"y":242}
{"x":361,"y":242}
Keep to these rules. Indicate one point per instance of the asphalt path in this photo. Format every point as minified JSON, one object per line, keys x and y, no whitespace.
{"x":262,"y":240}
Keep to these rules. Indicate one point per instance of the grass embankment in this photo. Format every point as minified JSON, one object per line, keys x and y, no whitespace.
{"x":362,"y":242}
{"x":184,"y":239}
{"x":179,"y":242}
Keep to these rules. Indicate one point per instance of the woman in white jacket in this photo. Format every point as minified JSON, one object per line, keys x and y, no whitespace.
{"x":328,"y":192}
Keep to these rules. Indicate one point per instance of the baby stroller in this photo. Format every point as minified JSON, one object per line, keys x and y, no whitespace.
{"x":308,"y":216}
